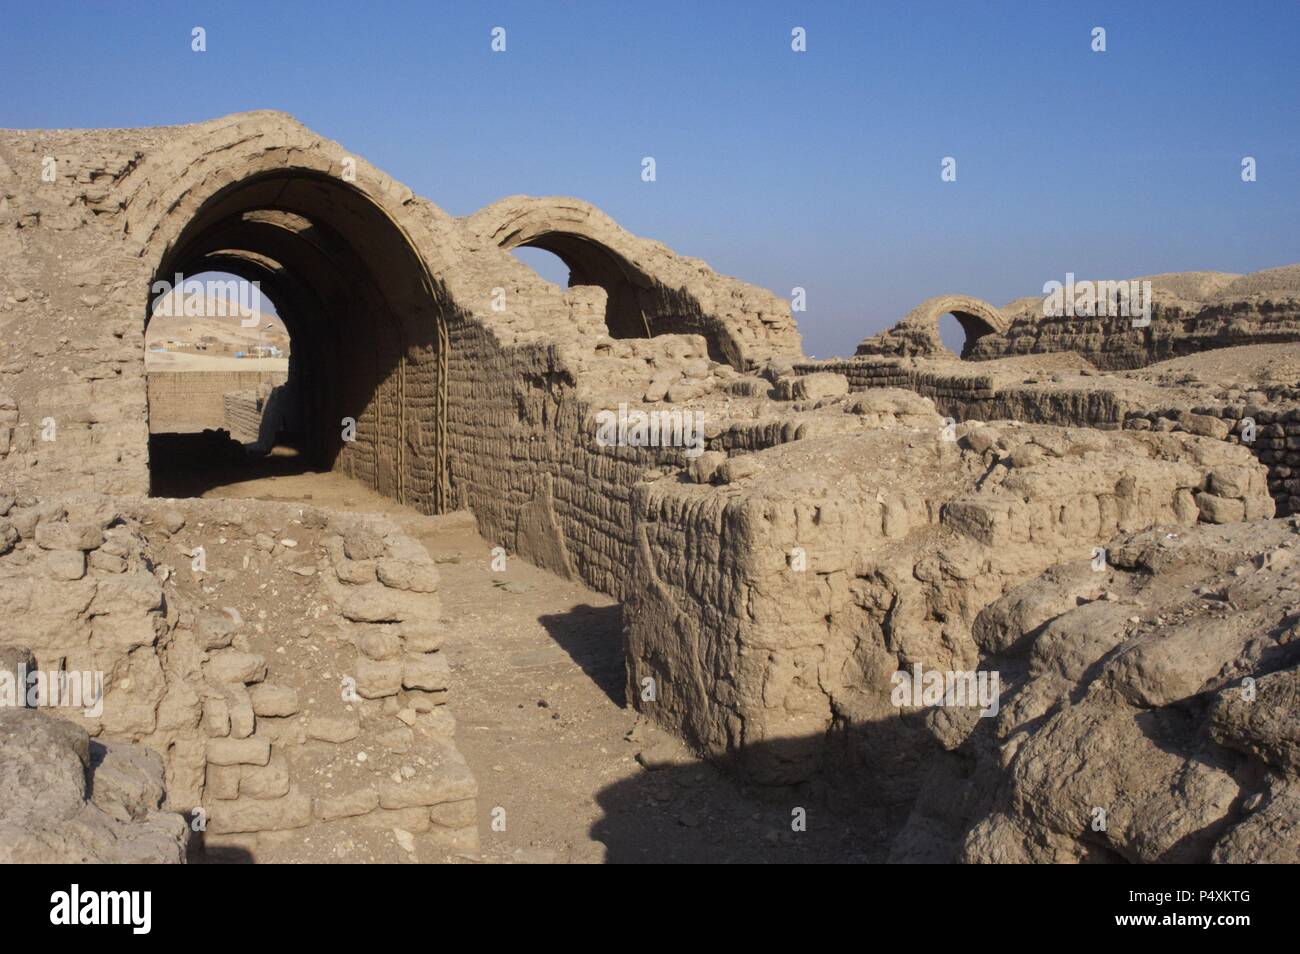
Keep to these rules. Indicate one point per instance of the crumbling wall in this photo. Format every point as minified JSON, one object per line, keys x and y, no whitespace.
{"x":663,"y":293}
{"x":479,"y":388}
{"x":423,"y":405}
{"x":525,"y":458}
{"x":1262,"y":419}
{"x":775,"y":608}
{"x":971,"y":392}
{"x":1270,"y":429}
{"x":1190,"y":312}
{"x":71,"y":311}
{"x":283,"y":662}
{"x":917,"y":334}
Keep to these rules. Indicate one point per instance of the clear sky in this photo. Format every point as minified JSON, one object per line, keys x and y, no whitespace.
{"x":818,"y":169}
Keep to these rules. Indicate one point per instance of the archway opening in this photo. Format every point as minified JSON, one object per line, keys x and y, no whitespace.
{"x":546,"y":264}
{"x":365,"y":373}
{"x":570,"y":260}
{"x":959,"y":330}
{"x":952,"y":334}
{"x":637,"y":306}
{"x":217,"y":368}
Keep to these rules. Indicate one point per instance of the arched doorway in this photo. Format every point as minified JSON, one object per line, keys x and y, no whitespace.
{"x":958,"y":330}
{"x":366,"y":319}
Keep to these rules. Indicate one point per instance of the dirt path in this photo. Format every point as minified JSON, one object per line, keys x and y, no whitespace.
{"x":539,"y":701}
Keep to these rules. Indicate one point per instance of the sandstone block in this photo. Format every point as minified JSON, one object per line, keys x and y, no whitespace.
{"x":417,"y":577}
{"x":362,"y":544}
{"x":333,"y":729}
{"x":68,"y":536}
{"x":105,"y":563}
{"x":359,"y":802}
{"x":216,"y":717}
{"x":256,"y":814}
{"x":186,"y":766}
{"x":428,"y":671}
{"x":379,"y":678}
{"x":371,"y":603}
{"x":129,"y":595}
{"x":1216,"y":509}
{"x":214,"y":630}
{"x":232,"y":666}
{"x":274,"y":701}
{"x":355,"y":572}
{"x":1230,"y":481}
{"x":430,"y":789}
{"x":66,"y":564}
{"x":820,"y":384}
{"x":265,"y":781}
{"x":422,"y":636}
{"x":380,"y":642}
{"x":222,"y":781}
{"x":242,"y":718}
{"x":1205,"y":426}
{"x":250,"y":751}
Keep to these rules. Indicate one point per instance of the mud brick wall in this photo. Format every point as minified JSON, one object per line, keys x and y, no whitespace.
{"x":524,"y":460}
{"x":1276,"y":441}
{"x":107,"y":584}
{"x":369,"y":381}
{"x":420,"y":407}
{"x":749,"y":654}
{"x":523,"y":451}
{"x":1243,"y":317}
{"x":72,"y":347}
{"x":745,"y":325}
{"x":518,"y":447}
{"x":967,"y":396}
{"x":186,"y":401}
{"x":242,"y":415}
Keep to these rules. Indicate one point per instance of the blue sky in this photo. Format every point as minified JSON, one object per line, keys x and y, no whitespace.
{"x":817,"y":169}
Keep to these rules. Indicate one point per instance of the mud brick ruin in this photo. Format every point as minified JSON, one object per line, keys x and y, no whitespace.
{"x":846,"y":520}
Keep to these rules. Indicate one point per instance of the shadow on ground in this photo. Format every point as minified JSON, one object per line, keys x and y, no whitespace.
{"x":593,"y":638}
{"x":702,"y":811}
{"x":192,"y":465}
{"x":679,"y":808}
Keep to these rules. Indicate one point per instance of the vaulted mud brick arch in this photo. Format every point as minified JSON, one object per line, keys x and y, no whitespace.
{"x":368,"y":373}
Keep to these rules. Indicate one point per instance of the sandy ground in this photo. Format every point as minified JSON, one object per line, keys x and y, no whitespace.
{"x":538,"y":698}
{"x":184,"y":361}
{"x":1243,"y":367}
